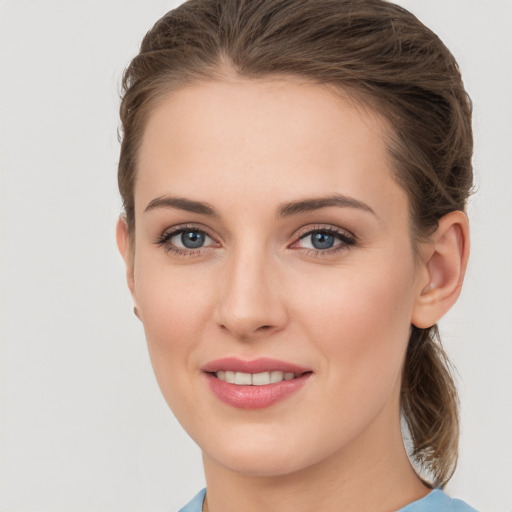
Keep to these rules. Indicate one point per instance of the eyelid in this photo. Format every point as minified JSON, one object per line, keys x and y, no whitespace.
{"x":164,"y":239}
{"x":183,"y":227}
{"x":347,"y":239}
{"x":312,"y":228}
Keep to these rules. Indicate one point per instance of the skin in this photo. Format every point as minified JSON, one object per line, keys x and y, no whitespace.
{"x":258,"y":288}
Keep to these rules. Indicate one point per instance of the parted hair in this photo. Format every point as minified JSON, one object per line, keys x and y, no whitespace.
{"x":382,"y":56}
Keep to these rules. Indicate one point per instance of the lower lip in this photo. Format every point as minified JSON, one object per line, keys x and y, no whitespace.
{"x":255,"y":397}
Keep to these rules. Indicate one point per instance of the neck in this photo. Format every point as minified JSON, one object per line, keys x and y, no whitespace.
{"x":372,"y":473}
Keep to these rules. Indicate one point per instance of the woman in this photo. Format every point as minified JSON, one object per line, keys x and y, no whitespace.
{"x":294,"y":177}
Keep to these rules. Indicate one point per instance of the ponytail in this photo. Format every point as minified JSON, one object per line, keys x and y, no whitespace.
{"x":430,"y":405}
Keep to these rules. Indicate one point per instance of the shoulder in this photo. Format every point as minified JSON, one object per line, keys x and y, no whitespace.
{"x":438,"y":501}
{"x":196,"y":505}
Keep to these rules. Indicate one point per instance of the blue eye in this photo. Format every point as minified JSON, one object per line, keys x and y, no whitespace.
{"x":325,"y":240}
{"x":185,"y":239}
{"x":322,"y":240}
{"x":192,"y":239}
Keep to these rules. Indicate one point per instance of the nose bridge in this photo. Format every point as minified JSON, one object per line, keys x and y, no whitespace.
{"x":249,"y":303}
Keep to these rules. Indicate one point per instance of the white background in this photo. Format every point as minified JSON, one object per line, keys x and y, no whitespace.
{"x":83,"y":426}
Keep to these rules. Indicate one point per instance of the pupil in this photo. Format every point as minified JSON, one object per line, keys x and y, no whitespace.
{"x":322,"y":241}
{"x":192,"y":239}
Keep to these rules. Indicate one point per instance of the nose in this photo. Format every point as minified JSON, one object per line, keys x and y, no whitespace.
{"x":251,"y":303}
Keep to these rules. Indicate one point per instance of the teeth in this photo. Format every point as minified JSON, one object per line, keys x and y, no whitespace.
{"x":260,"y":379}
{"x":243,"y":379}
{"x":276,"y":377}
{"x":254,"y":379}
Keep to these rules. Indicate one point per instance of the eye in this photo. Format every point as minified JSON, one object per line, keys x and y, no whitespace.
{"x":190,"y":239}
{"x":324,"y":240}
{"x":320,"y":240}
{"x":185,"y":240}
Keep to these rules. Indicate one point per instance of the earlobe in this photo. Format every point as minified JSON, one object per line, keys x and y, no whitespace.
{"x":124,"y":245}
{"x":446,"y":257}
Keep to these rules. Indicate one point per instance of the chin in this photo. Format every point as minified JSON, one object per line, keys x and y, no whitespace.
{"x":262,"y":465}
{"x":264,"y":455}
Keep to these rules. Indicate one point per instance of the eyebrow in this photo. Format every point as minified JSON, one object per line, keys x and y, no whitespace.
{"x":181,"y":203}
{"x":284,"y":210}
{"x":308,"y":205}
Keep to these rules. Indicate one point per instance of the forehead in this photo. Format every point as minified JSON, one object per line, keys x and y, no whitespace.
{"x":248,"y":138}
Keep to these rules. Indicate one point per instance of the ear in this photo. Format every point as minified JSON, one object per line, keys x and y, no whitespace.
{"x":445,"y":257}
{"x":125,"y":246}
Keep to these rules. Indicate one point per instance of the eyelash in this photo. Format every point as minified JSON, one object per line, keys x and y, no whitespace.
{"x":346,"y":240}
{"x":165,"y":238}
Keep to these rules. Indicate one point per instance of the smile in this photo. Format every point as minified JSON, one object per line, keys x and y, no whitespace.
{"x":254,"y":379}
{"x":254,"y":384}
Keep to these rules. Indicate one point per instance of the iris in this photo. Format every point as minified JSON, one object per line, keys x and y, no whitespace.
{"x":192,"y":239}
{"x":322,"y":240}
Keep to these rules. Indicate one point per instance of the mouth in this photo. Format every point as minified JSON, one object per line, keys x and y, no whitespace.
{"x":255,"y":379}
{"x":254,"y":384}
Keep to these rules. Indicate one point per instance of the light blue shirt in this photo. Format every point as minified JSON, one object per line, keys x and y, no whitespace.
{"x":434,"y":501}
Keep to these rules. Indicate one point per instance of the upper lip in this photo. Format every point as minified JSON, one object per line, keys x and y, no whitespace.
{"x":260,"y":365}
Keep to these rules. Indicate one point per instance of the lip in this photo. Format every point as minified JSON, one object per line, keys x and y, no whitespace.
{"x":262,"y":364}
{"x":254,"y":397}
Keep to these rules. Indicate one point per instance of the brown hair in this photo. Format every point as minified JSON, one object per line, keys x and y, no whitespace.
{"x":378,"y":53}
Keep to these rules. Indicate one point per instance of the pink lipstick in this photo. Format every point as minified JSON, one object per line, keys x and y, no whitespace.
{"x":254,"y":384}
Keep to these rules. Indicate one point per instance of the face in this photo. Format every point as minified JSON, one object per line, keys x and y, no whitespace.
{"x":273,"y":249}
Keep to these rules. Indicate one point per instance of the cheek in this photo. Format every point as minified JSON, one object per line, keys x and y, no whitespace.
{"x":361,"y":323}
{"x":173,"y":299}
{"x":175,"y":307}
